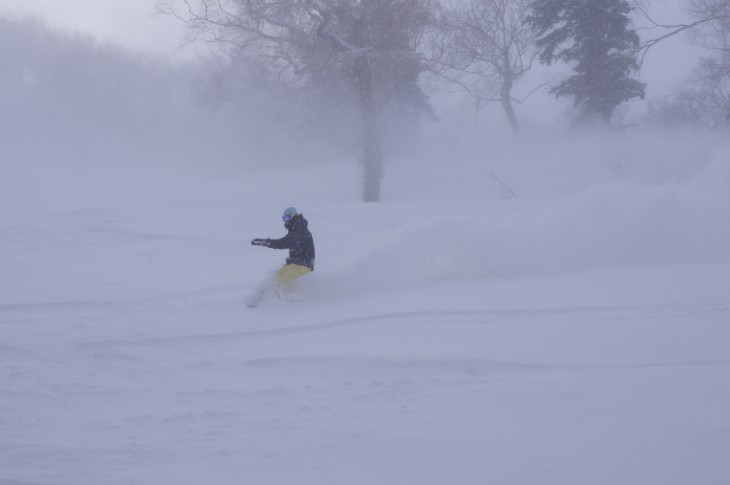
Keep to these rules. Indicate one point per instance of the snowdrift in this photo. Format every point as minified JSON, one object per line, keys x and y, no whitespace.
{"x":608,"y":226}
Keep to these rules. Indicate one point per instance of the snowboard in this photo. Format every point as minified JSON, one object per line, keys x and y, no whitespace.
{"x":262,"y":292}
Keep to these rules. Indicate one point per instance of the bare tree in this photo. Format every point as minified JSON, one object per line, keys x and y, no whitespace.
{"x":369,"y":45}
{"x":703,"y":99}
{"x":711,"y":79}
{"x":706,"y":94}
{"x":487,"y":48}
{"x":704,"y":15}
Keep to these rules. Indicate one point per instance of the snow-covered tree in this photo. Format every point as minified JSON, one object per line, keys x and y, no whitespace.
{"x":597,"y":38}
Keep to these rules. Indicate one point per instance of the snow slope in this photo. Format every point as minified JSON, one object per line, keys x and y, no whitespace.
{"x":444,"y":338}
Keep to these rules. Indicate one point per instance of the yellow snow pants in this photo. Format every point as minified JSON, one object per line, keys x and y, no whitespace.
{"x":290,"y":272}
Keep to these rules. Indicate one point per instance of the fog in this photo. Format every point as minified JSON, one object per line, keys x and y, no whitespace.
{"x":88,"y":125}
{"x":547,"y":307}
{"x":77,"y":110}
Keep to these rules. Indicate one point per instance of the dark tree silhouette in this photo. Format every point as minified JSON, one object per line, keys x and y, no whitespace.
{"x":597,"y":38}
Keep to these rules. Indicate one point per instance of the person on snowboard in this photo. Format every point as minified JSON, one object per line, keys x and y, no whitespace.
{"x":300,"y":244}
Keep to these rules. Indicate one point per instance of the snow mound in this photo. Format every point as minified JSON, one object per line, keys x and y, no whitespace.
{"x":614,"y":225}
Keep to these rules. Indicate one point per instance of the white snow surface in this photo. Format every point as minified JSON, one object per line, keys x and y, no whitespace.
{"x":446,"y":336}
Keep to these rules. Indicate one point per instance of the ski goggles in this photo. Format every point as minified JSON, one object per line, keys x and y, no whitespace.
{"x":286,"y":217}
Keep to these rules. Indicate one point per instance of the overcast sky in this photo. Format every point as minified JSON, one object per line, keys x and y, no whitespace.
{"x":135,"y":25}
{"x":130,"y":23}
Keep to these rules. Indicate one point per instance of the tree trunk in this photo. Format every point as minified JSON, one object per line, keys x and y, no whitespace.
{"x":371,"y":157}
{"x":506,"y":99}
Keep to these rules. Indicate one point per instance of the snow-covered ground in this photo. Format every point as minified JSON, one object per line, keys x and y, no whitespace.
{"x":448,"y":335}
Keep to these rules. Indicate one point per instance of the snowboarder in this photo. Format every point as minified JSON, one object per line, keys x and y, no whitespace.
{"x":300,"y":244}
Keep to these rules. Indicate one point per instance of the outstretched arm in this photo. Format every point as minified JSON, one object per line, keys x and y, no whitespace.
{"x":286,"y":242}
{"x":283,"y":243}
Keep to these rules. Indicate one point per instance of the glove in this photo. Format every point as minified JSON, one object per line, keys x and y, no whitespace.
{"x":261,"y":242}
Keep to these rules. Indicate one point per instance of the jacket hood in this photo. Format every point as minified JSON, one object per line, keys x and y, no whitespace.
{"x":298,"y":222}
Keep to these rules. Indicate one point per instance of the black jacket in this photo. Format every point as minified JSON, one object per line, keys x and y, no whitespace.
{"x":298,"y":241}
